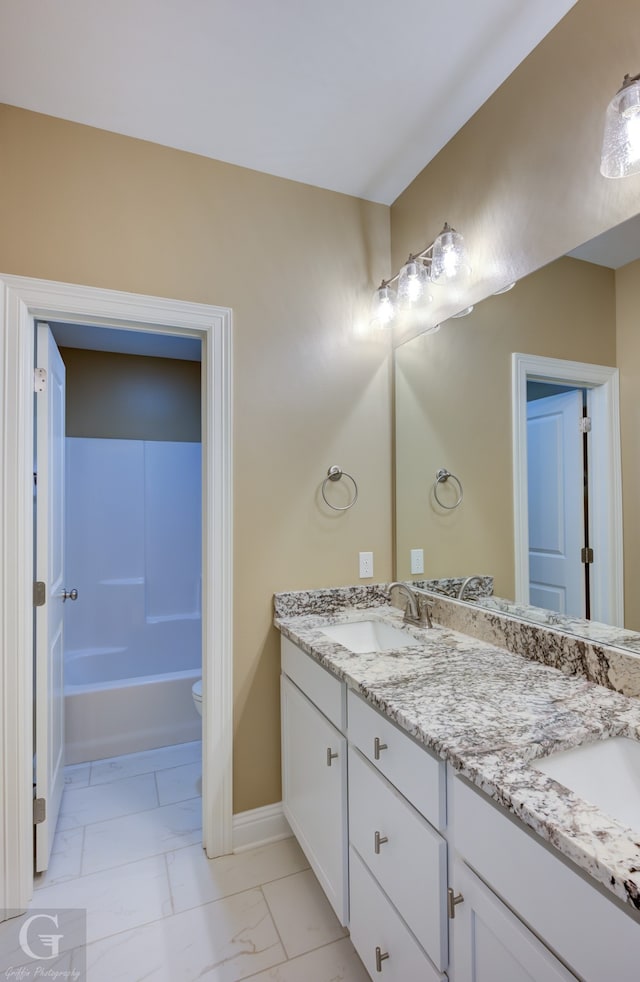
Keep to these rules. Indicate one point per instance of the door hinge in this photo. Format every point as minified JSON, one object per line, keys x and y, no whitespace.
{"x":39,"y":810}
{"x":586,"y":555}
{"x":39,"y":594}
{"x":585,"y":424}
{"x":40,"y":380}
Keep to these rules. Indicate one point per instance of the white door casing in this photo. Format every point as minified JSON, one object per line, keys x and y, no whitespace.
{"x":49,"y":663}
{"x":555,"y":490}
{"x":605,"y":482}
{"x":22,"y":301}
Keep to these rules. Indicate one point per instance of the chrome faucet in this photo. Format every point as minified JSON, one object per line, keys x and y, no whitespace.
{"x":465,"y":583}
{"x":417,"y":609}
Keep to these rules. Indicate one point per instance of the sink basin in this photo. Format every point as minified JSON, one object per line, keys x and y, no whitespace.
{"x":606,"y":774}
{"x":365,"y":636}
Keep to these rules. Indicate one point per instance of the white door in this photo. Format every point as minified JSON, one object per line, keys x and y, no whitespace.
{"x":49,"y":689}
{"x":556,"y":503}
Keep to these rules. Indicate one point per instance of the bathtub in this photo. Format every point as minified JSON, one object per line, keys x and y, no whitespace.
{"x":117,"y":703}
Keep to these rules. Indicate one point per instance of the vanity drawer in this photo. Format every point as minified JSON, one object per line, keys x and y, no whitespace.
{"x":417,"y":773}
{"x":375,"y":925}
{"x":411,"y":865}
{"x":319,"y":685}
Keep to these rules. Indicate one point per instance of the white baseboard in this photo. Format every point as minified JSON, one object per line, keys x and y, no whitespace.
{"x":259,"y":826}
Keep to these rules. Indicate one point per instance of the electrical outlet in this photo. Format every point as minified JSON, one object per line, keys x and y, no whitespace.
{"x":417,"y":560}
{"x":366,"y":565}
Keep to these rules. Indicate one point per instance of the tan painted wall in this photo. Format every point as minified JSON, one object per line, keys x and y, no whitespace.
{"x":131,"y":397}
{"x":297,"y":265}
{"x":521,"y":180}
{"x":628,"y":352}
{"x":453,"y":410}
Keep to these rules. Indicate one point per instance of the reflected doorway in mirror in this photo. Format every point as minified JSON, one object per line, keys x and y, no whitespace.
{"x":605,"y":490}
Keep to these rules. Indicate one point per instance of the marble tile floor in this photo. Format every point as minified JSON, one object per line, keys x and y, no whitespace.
{"x":128,"y":851}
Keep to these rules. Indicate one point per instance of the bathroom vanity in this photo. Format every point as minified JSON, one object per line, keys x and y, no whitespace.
{"x":410,"y":780}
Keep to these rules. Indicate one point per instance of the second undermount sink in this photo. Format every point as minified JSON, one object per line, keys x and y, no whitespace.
{"x":366,"y":636}
{"x":605,"y":773}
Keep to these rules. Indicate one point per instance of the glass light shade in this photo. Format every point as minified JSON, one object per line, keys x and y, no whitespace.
{"x":383,"y":308}
{"x":448,"y":258}
{"x":412,"y":282}
{"x":621,"y":142}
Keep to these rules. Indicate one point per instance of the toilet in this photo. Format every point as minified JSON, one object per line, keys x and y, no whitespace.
{"x":196,"y":691}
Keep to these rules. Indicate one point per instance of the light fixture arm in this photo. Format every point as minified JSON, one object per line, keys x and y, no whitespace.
{"x":629,"y":80}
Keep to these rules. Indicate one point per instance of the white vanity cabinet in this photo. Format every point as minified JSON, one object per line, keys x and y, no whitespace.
{"x":393,"y":833}
{"x":314,"y":770}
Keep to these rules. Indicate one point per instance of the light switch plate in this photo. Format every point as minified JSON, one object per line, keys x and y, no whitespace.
{"x":417,"y":560}
{"x":366,"y":565}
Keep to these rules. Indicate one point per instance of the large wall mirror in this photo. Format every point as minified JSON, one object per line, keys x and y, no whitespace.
{"x":454,"y":410}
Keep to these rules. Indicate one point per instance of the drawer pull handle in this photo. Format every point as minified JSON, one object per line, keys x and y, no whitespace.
{"x":378,"y":840}
{"x":452,"y":902}
{"x":330,"y":756}
{"x":377,"y":747}
{"x":381,"y":956}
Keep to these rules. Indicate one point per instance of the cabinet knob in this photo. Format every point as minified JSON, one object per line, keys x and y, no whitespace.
{"x":381,"y":956}
{"x":378,"y":840}
{"x":377,"y":747}
{"x":452,"y":902}
{"x":330,"y":756}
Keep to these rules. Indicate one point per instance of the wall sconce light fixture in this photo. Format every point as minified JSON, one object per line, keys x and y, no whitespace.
{"x":621,"y":142}
{"x":443,"y":261}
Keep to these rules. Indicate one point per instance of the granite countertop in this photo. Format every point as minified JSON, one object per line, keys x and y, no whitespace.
{"x":489,"y":713}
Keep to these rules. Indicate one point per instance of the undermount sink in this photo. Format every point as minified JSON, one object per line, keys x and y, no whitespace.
{"x":605,"y":773}
{"x":366,"y":636}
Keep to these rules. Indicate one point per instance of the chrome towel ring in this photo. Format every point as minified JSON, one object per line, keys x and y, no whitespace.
{"x":442,"y":476}
{"x":334,"y":474}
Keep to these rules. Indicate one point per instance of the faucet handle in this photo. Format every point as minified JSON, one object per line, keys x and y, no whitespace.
{"x":425,"y":606}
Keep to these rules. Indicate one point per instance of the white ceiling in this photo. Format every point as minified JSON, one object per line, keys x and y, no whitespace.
{"x":352,"y":95}
{"x":615,"y":248}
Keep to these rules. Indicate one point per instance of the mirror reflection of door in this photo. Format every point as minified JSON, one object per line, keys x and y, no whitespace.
{"x":558,"y":498}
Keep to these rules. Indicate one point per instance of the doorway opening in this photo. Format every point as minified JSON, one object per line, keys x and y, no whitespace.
{"x":24,"y":301}
{"x":594,"y":387}
{"x":132,"y":534}
{"x":130,"y":513}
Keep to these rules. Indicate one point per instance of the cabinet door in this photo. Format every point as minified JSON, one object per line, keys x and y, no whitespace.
{"x":314,"y":791}
{"x":490,"y":944}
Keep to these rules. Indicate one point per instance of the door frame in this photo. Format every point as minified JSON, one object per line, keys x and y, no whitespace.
{"x":605,"y":476}
{"x":22,"y":301}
